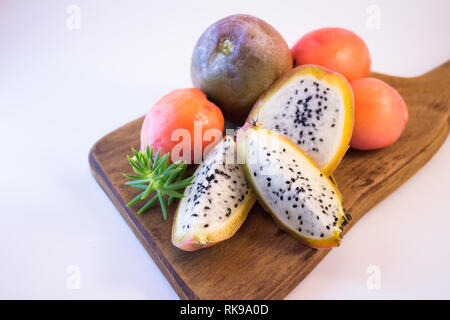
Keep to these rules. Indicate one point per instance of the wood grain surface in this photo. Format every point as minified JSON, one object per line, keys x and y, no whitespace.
{"x":261,"y":261}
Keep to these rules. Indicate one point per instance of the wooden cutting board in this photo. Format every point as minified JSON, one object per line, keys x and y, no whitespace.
{"x":261,"y":261}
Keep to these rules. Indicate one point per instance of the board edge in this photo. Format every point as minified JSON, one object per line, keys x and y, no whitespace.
{"x":177,"y":283}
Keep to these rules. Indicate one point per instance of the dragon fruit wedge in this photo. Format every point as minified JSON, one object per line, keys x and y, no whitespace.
{"x":313,"y":107}
{"x":290,"y":186}
{"x":216,"y":203}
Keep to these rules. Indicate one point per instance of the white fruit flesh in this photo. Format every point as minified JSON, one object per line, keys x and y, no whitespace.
{"x":291,"y":186}
{"x":216,"y":203}
{"x":314,"y":112}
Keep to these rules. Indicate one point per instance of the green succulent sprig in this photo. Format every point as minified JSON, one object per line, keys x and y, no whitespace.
{"x":154,"y":174}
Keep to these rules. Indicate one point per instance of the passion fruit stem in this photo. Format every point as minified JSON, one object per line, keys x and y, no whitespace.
{"x":226,"y":47}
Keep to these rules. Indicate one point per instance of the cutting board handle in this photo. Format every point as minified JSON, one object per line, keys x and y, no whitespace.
{"x":439,"y":74}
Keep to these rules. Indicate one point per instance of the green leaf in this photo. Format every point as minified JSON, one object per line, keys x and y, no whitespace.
{"x":163,"y":205}
{"x":150,"y":157}
{"x":170,"y":178}
{"x":131,"y":176}
{"x":161,"y":162}
{"x":166,"y":174}
{"x":135,"y":200}
{"x":140,"y":186}
{"x":136,"y":154}
{"x":136,"y":166}
{"x":147,"y":191}
{"x":174,"y":165}
{"x":148,"y":204}
{"x":156,"y":158}
{"x":130,"y":183}
{"x":155,"y":172}
{"x":183,"y":171}
{"x":180,"y":184}
{"x":171,"y":192}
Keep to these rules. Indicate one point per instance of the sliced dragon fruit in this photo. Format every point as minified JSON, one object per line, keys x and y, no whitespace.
{"x":313,"y":107}
{"x":289,"y":185}
{"x":216,"y":203}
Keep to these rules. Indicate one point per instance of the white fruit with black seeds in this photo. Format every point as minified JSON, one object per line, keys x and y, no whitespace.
{"x":216,"y":203}
{"x":289,"y":185}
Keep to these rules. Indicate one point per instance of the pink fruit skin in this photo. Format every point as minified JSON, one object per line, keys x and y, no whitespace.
{"x":381,"y":114}
{"x":190,"y":245}
{"x":179,"y":109}
{"x":336,"y":49}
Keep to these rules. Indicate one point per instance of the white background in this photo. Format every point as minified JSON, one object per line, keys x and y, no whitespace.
{"x":61,"y":90}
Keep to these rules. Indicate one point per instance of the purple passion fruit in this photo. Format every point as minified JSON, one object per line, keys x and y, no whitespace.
{"x":236,"y":59}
